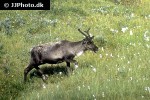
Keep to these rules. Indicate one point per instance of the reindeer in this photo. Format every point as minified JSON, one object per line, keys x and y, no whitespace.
{"x":63,"y":51}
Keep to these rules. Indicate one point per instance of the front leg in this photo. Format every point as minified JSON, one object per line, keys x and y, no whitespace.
{"x":75,"y":64}
{"x":72,"y":61}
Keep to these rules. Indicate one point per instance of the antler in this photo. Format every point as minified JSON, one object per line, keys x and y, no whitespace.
{"x":87,"y":32}
{"x":82,"y":33}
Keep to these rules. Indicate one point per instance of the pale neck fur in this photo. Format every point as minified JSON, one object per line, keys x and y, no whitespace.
{"x":78,"y":48}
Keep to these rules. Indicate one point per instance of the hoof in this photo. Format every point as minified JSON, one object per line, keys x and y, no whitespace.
{"x":44,"y":78}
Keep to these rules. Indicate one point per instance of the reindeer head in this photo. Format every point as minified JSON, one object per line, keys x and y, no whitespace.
{"x":87,"y":42}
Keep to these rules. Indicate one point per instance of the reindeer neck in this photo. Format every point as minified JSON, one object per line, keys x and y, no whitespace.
{"x":78,"y":48}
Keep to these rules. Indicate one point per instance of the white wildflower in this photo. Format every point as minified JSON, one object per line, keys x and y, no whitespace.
{"x":94,"y":69}
{"x":93,"y":95}
{"x":132,"y":15}
{"x":118,"y":69}
{"x":57,"y":39}
{"x":103,"y":94}
{"x":124,"y":29}
{"x":83,"y":85}
{"x":146,"y":37}
{"x":100,"y":56}
{"x":147,"y":89}
{"x":88,"y":87}
{"x":121,"y":58}
{"x":131,"y":33}
{"x":76,"y":66}
{"x":134,"y":44}
{"x":128,"y":62}
{"x":113,"y":30}
{"x":57,"y":86}
{"x":38,"y":95}
{"x":118,"y":56}
{"x":102,"y":49}
{"x":131,"y":78}
{"x":79,"y":88}
{"x":147,"y":46}
{"x":111,"y":55}
{"x":124,"y":57}
{"x":106,"y":54}
{"x":43,"y":85}
{"x":60,"y":73}
{"x":91,"y":66}
{"x":134,"y":54}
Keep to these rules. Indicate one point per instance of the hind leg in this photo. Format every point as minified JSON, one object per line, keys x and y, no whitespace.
{"x":27,"y":70}
{"x":68,"y":68}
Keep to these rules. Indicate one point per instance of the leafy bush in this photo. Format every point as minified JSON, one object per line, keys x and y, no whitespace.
{"x":7,"y":26}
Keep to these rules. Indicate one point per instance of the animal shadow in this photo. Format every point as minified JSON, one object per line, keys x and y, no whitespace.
{"x":49,"y":70}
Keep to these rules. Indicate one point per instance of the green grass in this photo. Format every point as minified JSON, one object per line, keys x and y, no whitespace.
{"x":119,"y":71}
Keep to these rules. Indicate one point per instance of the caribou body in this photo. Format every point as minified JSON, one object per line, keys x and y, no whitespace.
{"x":63,"y":51}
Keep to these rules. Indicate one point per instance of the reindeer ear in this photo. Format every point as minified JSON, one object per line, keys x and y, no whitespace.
{"x":92,"y":37}
{"x":84,"y":42}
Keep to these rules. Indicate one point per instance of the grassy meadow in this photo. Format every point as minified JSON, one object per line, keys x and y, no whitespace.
{"x":120,"y":70}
